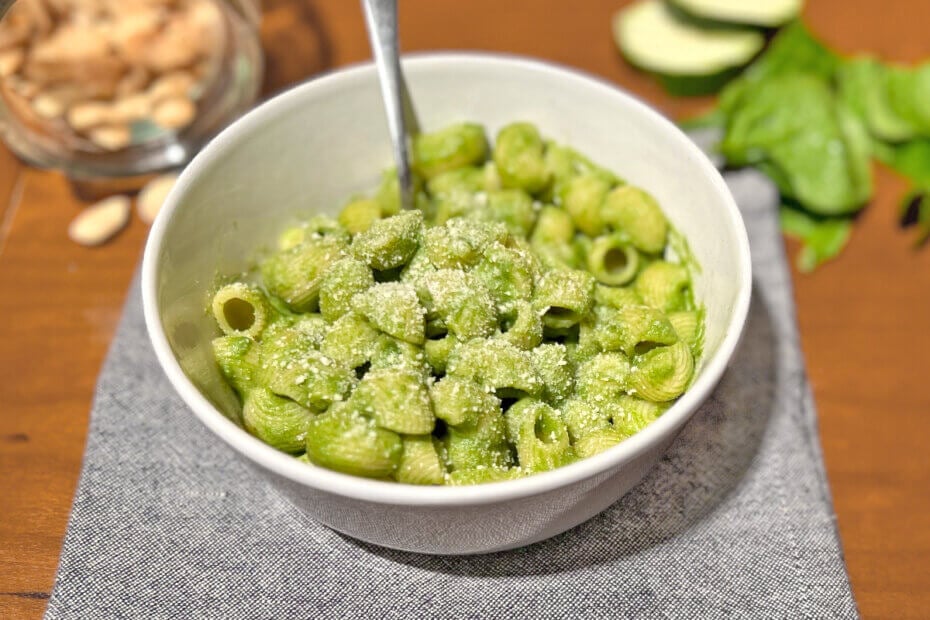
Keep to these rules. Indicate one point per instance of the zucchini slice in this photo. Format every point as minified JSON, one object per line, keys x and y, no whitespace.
{"x":689,"y":59}
{"x":761,"y":13}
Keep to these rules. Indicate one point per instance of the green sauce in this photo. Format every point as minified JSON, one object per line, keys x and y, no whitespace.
{"x":533,"y":310}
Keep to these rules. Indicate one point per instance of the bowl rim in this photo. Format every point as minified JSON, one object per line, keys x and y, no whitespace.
{"x":411,"y":495}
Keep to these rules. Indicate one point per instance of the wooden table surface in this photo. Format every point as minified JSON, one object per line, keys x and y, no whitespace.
{"x":863,"y":317}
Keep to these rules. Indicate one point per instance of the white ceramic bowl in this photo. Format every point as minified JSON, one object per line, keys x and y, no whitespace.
{"x":309,"y":149}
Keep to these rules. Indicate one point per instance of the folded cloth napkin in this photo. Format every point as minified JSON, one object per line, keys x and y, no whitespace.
{"x":735,"y":521}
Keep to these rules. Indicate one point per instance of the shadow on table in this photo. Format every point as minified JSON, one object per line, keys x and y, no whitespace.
{"x":705,"y":463}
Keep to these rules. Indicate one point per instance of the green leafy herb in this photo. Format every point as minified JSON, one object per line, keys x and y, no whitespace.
{"x":915,"y":211}
{"x":822,"y":238}
{"x":812,"y":121}
{"x":795,"y":129}
{"x":911,"y":160}
{"x":783,"y":117}
{"x":908,"y":91}
{"x":793,"y":50}
{"x":863,"y":84}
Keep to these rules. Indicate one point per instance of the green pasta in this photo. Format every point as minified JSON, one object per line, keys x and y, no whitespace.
{"x":482,"y":475}
{"x":554,"y":370}
{"x":564,"y":297}
{"x":583,"y":417}
{"x":628,"y":327}
{"x":461,"y":302}
{"x":532,"y":310}
{"x":389,"y":352}
{"x":390,"y":242}
{"x":465,"y":181}
{"x":388,"y":193}
{"x":448,"y":248}
{"x":395,"y":309}
{"x":520,"y":158}
{"x":689,"y":325}
{"x":481,"y":235}
{"x":632,"y":414}
{"x":612,"y":261}
{"x":523,"y":327}
{"x":437,"y":352}
{"x":554,"y":227}
{"x":292,"y":367}
{"x":460,"y":401}
{"x":240,"y":309}
{"x":583,"y":197}
{"x":508,"y":273}
{"x":616,"y":296}
{"x":450,"y":148}
{"x":350,"y":341}
{"x":238,"y":359}
{"x":278,"y":421}
{"x":665,"y":286}
{"x":603,"y":377}
{"x":663,"y":373}
{"x":346,"y":441}
{"x":359,"y":215}
{"x":479,"y":444}
{"x":294,"y":275}
{"x":418,"y":270}
{"x":314,"y":228}
{"x":420,"y":462}
{"x":539,"y":435}
{"x":498,"y":365}
{"x":637,"y":216}
{"x":597,"y":442}
{"x":311,"y":325}
{"x":396,"y":399}
{"x":513,"y":207}
{"x":342,"y":281}
{"x":565,"y":163}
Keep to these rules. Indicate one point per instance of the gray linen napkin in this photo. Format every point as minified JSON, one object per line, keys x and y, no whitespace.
{"x":735,"y":521}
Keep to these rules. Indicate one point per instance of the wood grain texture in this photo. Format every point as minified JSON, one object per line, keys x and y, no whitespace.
{"x":862,"y":317}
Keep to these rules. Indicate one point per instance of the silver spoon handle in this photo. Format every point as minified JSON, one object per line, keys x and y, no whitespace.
{"x":381,"y":19}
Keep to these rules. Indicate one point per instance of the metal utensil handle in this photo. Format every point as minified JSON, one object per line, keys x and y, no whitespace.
{"x":381,"y":19}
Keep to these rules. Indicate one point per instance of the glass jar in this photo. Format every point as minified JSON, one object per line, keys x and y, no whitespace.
{"x":111,"y":88}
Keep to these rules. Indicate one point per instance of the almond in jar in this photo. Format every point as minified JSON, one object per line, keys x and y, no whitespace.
{"x":106,"y":76}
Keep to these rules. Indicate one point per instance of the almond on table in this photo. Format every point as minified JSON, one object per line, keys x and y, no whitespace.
{"x":99,"y":222}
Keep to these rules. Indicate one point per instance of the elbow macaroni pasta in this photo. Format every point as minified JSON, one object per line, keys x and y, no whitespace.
{"x":527,"y":314}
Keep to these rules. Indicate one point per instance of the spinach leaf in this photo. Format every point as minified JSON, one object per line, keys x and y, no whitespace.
{"x":908,"y":91}
{"x":821,"y":239}
{"x":911,"y":160}
{"x":865,"y":86}
{"x":795,"y":130}
{"x":915,"y":211}
{"x":792,"y":50}
{"x":811,"y":121}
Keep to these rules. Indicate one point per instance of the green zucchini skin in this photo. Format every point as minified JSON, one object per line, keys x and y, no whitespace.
{"x":688,"y":59}
{"x":697,"y":85}
{"x":720,"y":17}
